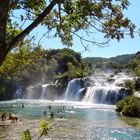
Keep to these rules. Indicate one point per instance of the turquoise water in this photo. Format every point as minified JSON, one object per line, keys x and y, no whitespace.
{"x":78,"y":120}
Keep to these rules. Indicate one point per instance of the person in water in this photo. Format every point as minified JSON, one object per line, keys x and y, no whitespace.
{"x":22,"y":105}
{"x":45,"y":113}
{"x":3,"y":116}
{"x":52,"y":115}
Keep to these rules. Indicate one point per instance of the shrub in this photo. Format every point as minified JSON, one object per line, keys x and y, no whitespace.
{"x":129,"y":106}
{"x":136,"y":103}
{"x":129,"y":110}
{"x":130,"y":85}
{"x":120,"y":105}
{"x":127,"y":99}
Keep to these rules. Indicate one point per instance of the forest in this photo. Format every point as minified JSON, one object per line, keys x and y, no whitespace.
{"x":29,"y":66}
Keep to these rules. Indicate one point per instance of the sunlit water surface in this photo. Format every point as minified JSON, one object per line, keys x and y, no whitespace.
{"x":73,"y":120}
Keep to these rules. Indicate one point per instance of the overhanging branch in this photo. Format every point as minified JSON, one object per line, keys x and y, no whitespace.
{"x":34,"y":24}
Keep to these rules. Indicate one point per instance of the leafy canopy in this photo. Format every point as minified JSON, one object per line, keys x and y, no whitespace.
{"x":67,"y":17}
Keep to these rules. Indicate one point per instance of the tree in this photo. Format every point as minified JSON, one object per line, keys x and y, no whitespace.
{"x":65,"y":18}
{"x":19,"y":60}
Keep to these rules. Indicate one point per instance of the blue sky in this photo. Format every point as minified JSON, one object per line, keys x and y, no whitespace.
{"x":125,"y":46}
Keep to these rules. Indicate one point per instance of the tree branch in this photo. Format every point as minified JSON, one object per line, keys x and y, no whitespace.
{"x":34,"y":24}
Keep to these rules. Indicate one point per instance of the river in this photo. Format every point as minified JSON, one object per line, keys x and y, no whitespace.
{"x":72,"y":121}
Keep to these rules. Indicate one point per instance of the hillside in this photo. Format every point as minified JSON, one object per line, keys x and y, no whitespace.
{"x":117,"y":62}
{"x":120,"y":59}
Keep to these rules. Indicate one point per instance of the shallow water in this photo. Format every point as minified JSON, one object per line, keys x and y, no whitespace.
{"x":73,"y":120}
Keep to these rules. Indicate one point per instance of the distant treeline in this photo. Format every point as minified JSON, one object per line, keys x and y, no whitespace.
{"x":128,"y":62}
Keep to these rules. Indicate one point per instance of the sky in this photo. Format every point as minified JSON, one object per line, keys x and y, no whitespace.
{"x":125,"y":46}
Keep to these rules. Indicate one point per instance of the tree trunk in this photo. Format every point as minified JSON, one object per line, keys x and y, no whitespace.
{"x":4,"y":7}
{"x":3,"y":53}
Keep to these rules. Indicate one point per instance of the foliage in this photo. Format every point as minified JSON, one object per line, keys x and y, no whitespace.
{"x":129,"y":106}
{"x":26,"y":135}
{"x":129,"y":111}
{"x":134,"y":65}
{"x":29,"y":66}
{"x":130,"y":85}
{"x":64,"y":18}
{"x":137,"y":84}
{"x":43,"y":128}
{"x":64,"y":65}
{"x":20,"y":59}
{"x":117,"y":63}
{"x":136,"y":104}
{"x":129,"y":63}
{"x":7,"y":88}
{"x":119,"y":105}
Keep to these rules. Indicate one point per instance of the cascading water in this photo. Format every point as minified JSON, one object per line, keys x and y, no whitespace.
{"x":98,"y":89}
{"x":19,"y":92}
{"x":44,"y":91}
{"x":29,"y":93}
{"x":73,"y":90}
{"x":101,"y":92}
{"x":104,"y":95}
{"x":121,"y":80}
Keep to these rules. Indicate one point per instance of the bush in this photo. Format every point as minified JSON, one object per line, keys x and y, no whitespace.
{"x":129,"y":111}
{"x":119,"y":106}
{"x":127,"y":99}
{"x":136,"y":103}
{"x":130,"y":85}
{"x":129,"y":106}
{"x":137,"y":84}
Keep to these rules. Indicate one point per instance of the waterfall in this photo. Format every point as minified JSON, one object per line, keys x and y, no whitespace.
{"x":104,"y":95}
{"x":29,"y":93}
{"x":73,"y":90}
{"x":121,"y":80}
{"x":19,"y":93}
{"x":100,"y":91}
{"x":44,"y":91}
{"x":97,"y":89}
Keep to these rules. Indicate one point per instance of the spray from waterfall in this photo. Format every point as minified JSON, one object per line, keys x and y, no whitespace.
{"x":44,"y":91}
{"x":104,"y":89}
{"x":19,"y":93}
